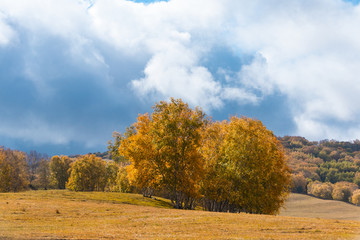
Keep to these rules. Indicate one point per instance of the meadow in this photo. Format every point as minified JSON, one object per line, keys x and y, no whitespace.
{"x":61,"y":214}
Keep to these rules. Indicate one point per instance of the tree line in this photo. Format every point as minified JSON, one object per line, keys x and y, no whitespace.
{"x":327,"y":169}
{"x":177,"y":152}
{"x":20,"y":171}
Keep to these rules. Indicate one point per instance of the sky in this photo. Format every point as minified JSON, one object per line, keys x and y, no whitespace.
{"x":74,"y":71}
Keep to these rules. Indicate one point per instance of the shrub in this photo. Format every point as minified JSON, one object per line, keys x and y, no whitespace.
{"x":356,"y":197}
{"x":298,"y":183}
{"x":342,"y":191}
{"x":321,"y":190}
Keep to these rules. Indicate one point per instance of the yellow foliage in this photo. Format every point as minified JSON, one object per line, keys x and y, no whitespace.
{"x":237,"y":165}
{"x":164,"y":152}
{"x":356,"y":197}
{"x":59,"y":167}
{"x":88,"y":173}
{"x":13,"y":171}
{"x":245,"y":167}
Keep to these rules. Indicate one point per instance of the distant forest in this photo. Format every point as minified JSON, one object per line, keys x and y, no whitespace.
{"x":327,"y":169}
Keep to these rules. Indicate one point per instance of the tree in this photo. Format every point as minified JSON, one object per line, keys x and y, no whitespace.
{"x":320,"y":190}
{"x":164,"y":151}
{"x":13,"y":171}
{"x":246,"y":168}
{"x":343,"y":191}
{"x":33,"y":161}
{"x":113,"y":147}
{"x":88,"y":173}
{"x":357,"y":179}
{"x":59,"y":167}
{"x":122,"y":181}
{"x":215,"y":185}
{"x":112,"y":169}
{"x":43,"y":174}
{"x":356,"y":197}
{"x":138,"y":148}
{"x":299,"y":183}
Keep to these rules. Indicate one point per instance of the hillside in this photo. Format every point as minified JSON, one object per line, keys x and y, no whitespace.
{"x":97,"y":215}
{"x":300,"y":205}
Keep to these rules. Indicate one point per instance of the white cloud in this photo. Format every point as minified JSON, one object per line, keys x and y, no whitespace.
{"x":6,"y":32}
{"x":311,"y":50}
{"x":308,"y":50}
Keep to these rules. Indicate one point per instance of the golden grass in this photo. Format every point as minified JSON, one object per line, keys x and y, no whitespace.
{"x":70,"y":215}
{"x":300,"y":205}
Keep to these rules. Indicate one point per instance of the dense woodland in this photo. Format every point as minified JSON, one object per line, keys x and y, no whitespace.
{"x":327,"y":169}
{"x":179,"y":153}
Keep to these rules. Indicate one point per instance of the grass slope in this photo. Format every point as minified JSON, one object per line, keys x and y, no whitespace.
{"x":300,"y":205}
{"x":71,"y":215}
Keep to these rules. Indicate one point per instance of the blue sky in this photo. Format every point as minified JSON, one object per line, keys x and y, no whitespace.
{"x":72,"y":72}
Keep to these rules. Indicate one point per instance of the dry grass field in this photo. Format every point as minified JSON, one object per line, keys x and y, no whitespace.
{"x":70,"y":215}
{"x":299,"y":205}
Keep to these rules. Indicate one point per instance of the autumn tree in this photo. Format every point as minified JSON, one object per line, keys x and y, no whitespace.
{"x":87,"y":173}
{"x":122,"y":181}
{"x":112,"y":169}
{"x":13,"y":171}
{"x":59,"y":167}
{"x":33,"y":160}
{"x":176,"y":132}
{"x":343,"y":191}
{"x":245,"y":168}
{"x":321,"y":190}
{"x":164,"y":151}
{"x":356,"y":197}
{"x":299,"y":183}
{"x":43,"y":174}
{"x":215,"y":185}
{"x":138,"y":148}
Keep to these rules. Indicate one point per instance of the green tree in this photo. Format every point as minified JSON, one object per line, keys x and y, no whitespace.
{"x":113,"y":148}
{"x":59,"y":167}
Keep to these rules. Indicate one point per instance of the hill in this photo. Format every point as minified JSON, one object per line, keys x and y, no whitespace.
{"x":61,"y":214}
{"x":300,"y":205}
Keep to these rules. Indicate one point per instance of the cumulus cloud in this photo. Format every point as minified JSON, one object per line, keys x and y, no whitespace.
{"x":6,"y":32}
{"x":175,"y":72}
{"x":102,"y":55}
{"x":310,"y":53}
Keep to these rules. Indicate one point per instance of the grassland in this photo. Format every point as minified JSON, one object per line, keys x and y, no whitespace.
{"x":70,"y":215}
{"x":300,"y":205}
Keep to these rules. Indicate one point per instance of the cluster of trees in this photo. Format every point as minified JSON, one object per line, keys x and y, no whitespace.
{"x":342,"y":191}
{"x":20,"y":171}
{"x":325,"y":165}
{"x":236,"y":165}
{"x":14,"y":174}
